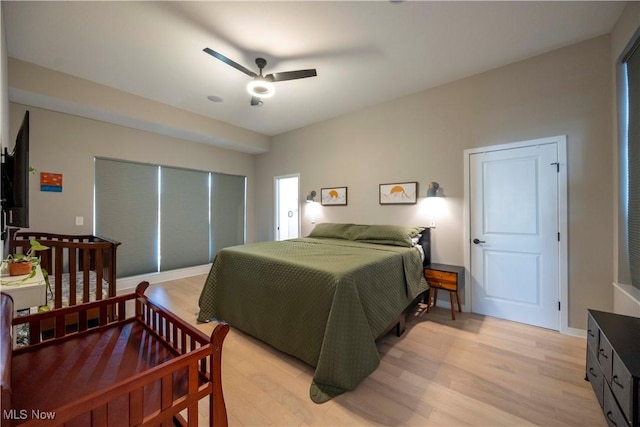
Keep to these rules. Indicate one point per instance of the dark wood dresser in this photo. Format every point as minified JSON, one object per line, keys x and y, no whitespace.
{"x":613,"y":365}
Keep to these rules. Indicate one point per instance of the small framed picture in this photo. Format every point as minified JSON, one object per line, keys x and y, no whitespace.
{"x":334,"y":196}
{"x":401,"y":193}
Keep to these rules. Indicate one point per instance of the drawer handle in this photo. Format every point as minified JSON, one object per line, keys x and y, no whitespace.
{"x":617,"y":382}
{"x":603,"y":353}
{"x":590,"y":333}
{"x":592,"y":372}
{"x":609,"y":413}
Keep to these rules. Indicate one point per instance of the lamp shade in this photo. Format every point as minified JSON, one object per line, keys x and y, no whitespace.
{"x":432,"y":191}
{"x":311,"y":196}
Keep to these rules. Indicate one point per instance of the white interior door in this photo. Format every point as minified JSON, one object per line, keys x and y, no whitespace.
{"x":514,"y":234}
{"x":287,"y":207}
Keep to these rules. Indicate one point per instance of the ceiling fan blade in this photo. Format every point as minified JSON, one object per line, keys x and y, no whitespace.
{"x":291,"y":75}
{"x":228,"y":61}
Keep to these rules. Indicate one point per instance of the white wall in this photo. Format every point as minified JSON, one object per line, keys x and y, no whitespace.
{"x":422,"y":138}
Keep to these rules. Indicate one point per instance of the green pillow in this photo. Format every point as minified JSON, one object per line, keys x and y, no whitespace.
{"x":396,"y":235}
{"x":331,"y":230}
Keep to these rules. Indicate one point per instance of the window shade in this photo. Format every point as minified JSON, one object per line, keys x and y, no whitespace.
{"x":227,"y":211}
{"x":195,"y":214}
{"x":633,"y":151}
{"x":184,"y":218}
{"x":126,"y":206}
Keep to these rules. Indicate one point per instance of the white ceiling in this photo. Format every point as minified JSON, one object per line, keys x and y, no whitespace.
{"x":365,"y":52}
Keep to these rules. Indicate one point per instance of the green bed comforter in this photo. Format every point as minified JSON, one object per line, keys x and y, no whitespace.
{"x":324,"y":301}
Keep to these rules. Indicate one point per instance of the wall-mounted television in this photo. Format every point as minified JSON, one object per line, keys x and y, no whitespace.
{"x":15,"y":181}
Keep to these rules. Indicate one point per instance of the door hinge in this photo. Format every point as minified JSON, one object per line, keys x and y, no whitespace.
{"x":557,"y":166}
{"x":558,"y":237}
{"x":559,"y":306}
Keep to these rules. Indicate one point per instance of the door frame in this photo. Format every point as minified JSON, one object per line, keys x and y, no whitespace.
{"x":563,"y":227}
{"x":276,"y":192}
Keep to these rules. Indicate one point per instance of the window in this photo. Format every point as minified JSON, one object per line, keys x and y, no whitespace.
{"x":166,"y":217}
{"x":631,"y":62}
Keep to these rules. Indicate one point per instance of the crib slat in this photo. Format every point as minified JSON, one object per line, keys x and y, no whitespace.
{"x":34,"y":332}
{"x":60,"y":328}
{"x":192,"y":412}
{"x":57,"y":261}
{"x":174,"y":338}
{"x":86,"y":258}
{"x":73,"y":290}
{"x":99,"y":271}
{"x":82,"y":321}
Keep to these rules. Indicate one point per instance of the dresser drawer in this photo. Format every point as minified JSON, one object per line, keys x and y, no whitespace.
{"x":592,"y":334}
{"x":444,"y":276}
{"x":595,"y":376}
{"x":605,"y":356}
{"x":442,"y":279}
{"x":612,"y":412}
{"x":622,"y":386}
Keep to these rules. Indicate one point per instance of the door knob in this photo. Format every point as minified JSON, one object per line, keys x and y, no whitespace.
{"x":476,"y":241}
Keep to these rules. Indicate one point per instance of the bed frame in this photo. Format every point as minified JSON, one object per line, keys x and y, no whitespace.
{"x":163,"y":394}
{"x":76,"y":260}
{"x":399,"y":324}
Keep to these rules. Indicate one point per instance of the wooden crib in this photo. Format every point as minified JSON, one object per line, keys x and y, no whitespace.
{"x":150,"y":369}
{"x":81,"y":268}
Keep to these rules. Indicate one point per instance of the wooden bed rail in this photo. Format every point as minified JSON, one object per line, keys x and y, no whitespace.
{"x":198,"y":360}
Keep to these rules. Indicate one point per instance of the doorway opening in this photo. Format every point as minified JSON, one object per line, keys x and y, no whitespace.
{"x":287,"y":204}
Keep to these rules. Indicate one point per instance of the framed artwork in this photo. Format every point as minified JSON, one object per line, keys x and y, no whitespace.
{"x":401,"y":193}
{"x":335,"y":196}
{"x":51,"y":182}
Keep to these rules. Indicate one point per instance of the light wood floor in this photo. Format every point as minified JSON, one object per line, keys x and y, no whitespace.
{"x":475,"y":370}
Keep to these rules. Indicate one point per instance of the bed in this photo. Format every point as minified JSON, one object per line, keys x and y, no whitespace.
{"x":325,"y":298}
{"x":81,"y":268}
{"x":148,"y":368}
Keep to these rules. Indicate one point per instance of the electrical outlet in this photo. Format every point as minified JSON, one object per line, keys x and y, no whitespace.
{"x":432,"y":223}
{"x":79,"y":220}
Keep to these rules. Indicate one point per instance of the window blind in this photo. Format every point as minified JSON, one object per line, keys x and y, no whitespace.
{"x":166,"y":217}
{"x":227,"y":211}
{"x":633,"y":152}
{"x":126,"y":210}
{"x":184,"y":218}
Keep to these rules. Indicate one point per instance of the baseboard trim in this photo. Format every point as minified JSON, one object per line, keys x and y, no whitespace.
{"x":575,"y":332}
{"x":129,"y":283}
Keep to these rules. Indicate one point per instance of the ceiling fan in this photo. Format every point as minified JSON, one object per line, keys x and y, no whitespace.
{"x":262,"y":86}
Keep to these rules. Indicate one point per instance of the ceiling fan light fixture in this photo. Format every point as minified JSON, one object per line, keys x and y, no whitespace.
{"x":261,"y":88}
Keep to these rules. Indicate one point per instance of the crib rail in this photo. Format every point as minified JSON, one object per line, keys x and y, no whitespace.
{"x":196,"y":354}
{"x":75,"y":256}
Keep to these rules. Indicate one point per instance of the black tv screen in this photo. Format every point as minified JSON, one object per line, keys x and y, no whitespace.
{"x":15,"y":180}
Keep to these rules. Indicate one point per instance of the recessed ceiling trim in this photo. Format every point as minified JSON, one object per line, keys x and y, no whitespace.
{"x":21,"y":96}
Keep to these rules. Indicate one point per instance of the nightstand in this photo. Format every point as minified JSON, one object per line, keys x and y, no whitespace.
{"x":447,"y":277}
{"x":26,"y":291}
